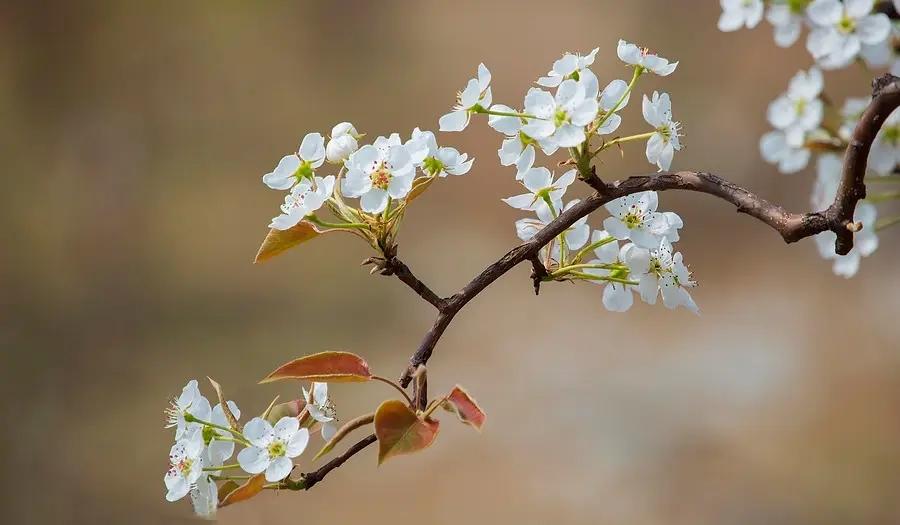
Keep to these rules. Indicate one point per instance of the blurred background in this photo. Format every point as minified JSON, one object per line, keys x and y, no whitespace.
{"x":134,"y":136}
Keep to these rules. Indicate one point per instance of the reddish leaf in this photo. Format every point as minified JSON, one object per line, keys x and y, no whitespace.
{"x":251,"y":488}
{"x":286,"y":409}
{"x":333,"y":367}
{"x":462,"y":403}
{"x":401,"y":431}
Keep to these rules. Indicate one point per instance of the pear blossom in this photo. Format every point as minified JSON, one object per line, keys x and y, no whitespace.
{"x":569,"y":66}
{"x":378,"y":172}
{"x":642,"y":58}
{"x":663,"y":144}
{"x":635,"y":217}
{"x":617,"y":296}
{"x":885,"y":53}
{"x":613,"y":98}
{"x":799,"y":110}
{"x":516,"y":141}
{"x":787,"y":21}
{"x":321,"y":408}
{"x":305,"y":198}
{"x":539,"y":182}
{"x":185,"y":464}
{"x":342,"y":143}
{"x":293,"y":168}
{"x":842,"y":28}
{"x":740,"y":13}
{"x":560,"y":119}
{"x":885,"y":153}
{"x":272,"y":448}
{"x":476,"y":95}
{"x":666,"y":274}
{"x":575,"y":235}
{"x":788,"y":155}
{"x":192,"y":402}
{"x":865,"y":242}
{"x":205,"y":497}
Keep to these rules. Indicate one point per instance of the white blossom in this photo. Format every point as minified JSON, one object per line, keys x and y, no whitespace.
{"x":477,"y":93}
{"x":643,"y":58}
{"x":842,"y":28}
{"x":378,"y":172}
{"x":305,"y":198}
{"x":787,"y":21}
{"x":272,"y":448}
{"x":516,"y":141}
{"x":321,"y":408}
{"x":293,"y":168}
{"x":799,"y":110}
{"x":342,"y":143}
{"x":185,"y":464}
{"x":617,"y":296}
{"x":569,"y":66}
{"x":740,"y":13}
{"x":790,"y":157}
{"x":541,"y":187}
{"x":666,"y":274}
{"x":663,"y":144}
{"x":192,"y":402}
{"x":560,"y":119}
{"x":634,"y":217}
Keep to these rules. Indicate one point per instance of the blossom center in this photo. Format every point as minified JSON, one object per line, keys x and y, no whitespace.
{"x":276,"y":449}
{"x":560,"y":117}
{"x":433,"y":165}
{"x":846,"y":25}
{"x":634,"y":218}
{"x":892,"y":135}
{"x":305,"y":171}
{"x":381,"y":177}
{"x":184,"y":466}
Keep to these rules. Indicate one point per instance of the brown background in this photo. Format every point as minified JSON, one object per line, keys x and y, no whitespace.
{"x":133,"y":138}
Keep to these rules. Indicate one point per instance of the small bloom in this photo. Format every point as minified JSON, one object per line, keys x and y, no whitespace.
{"x":321,"y":408}
{"x":189,"y":402}
{"x":787,"y":21}
{"x":305,"y":198}
{"x":842,"y":29}
{"x":740,"y":13}
{"x":539,"y":182}
{"x":828,"y":178}
{"x":560,"y":119}
{"x":665,"y":274}
{"x":573,"y":66}
{"x":641,"y":57}
{"x":342,"y":143}
{"x":271,"y":448}
{"x":185,"y":464}
{"x":377,"y":172}
{"x":799,"y":110}
{"x":635,"y":217}
{"x":663,"y":144}
{"x":790,"y":157}
{"x":477,"y":94}
{"x":295,"y":167}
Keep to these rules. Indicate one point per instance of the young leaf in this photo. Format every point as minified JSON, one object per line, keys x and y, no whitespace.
{"x":232,"y":421}
{"x":227,"y":488}
{"x":333,"y":367}
{"x":286,"y":409}
{"x":462,"y":403}
{"x":401,"y":431}
{"x":251,"y":488}
{"x":419,"y":188}
{"x":279,"y":241}
{"x":342,"y":432}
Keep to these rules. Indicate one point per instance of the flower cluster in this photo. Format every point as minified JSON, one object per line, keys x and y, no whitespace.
{"x":805,"y":122}
{"x":569,"y":111}
{"x":205,"y":439}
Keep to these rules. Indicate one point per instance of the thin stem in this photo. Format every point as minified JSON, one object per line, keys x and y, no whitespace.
{"x":638,"y":71}
{"x":608,"y":278}
{"x":395,"y":385}
{"x":592,"y":246}
{"x":434,"y":406}
{"x":568,"y":269}
{"x":190,"y":418}
{"x":622,"y":140}
{"x":345,"y":225}
{"x":221,"y":467}
{"x":508,"y":114}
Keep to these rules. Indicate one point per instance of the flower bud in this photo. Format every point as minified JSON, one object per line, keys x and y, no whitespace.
{"x":340,"y":147}
{"x":344,"y":128}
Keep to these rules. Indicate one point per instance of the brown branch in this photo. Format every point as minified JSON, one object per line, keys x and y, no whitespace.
{"x":394,"y":266}
{"x":309,"y":479}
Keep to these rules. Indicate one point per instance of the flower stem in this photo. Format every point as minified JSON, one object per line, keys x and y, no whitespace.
{"x":395,"y":385}
{"x":221,"y":467}
{"x":622,"y":140}
{"x":434,"y":406}
{"x":508,"y":114}
{"x":345,"y":225}
{"x":606,"y":278}
{"x":589,"y":247}
{"x":638,"y":71}
{"x":190,"y":418}
{"x":571,"y":268}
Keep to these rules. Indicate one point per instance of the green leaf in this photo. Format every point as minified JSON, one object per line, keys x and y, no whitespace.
{"x":251,"y":488}
{"x":332,"y":367}
{"x":401,"y":431}
{"x":465,"y":407}
{"x":232,"y":421}
{"x":342,"y":432}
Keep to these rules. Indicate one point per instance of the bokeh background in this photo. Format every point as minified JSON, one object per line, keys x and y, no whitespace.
{"x":134,"y":135}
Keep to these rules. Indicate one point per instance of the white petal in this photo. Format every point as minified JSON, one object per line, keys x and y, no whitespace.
{"x":279,"y":469}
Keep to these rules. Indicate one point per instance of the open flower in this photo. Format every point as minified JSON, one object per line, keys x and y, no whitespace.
{"x":789,"y":156}
{"x":635,"y":217}
{"x":293,"y":168}
{"x":342,"y":143}
{"x":842,"y":28}
{"x":476,"y":94}
{"x":305,"y":198}
{"x":573,"y":66}
{"x":377,"y":172}
{"x":665,"y":274}
{"x":799,"y":110}
{"x":643,"y":58}
{"x":516,"y":141}
{"x":664,"y":142}
{"x":560,"y":119}
{"x":321,"y":408}
{"x":541,"y":187}
{"x":189,"y":402}
{"x":272,"y":448}
{"x":185,"y":464}
{"x":740,"y":13}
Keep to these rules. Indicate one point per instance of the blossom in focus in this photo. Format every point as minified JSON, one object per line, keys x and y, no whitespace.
{"x":666,"y":274}
{"x":321,"y":408}
{"x":192,"y":402}
{"x":542,"y":188}
{"x":641,"y":57}
{"x":378,"y":172}
{"x":664,"y":142}
{"x":185,"y":464}
{"x":293,"y":168}
{"x":569,"y":66}
{"x":477,"y":93}
{"x":613,"y":98}
{"x":560,"y":119}
{"x":634,"y":217}
{"x":305,"y":198}
{"x":272,"y":448}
